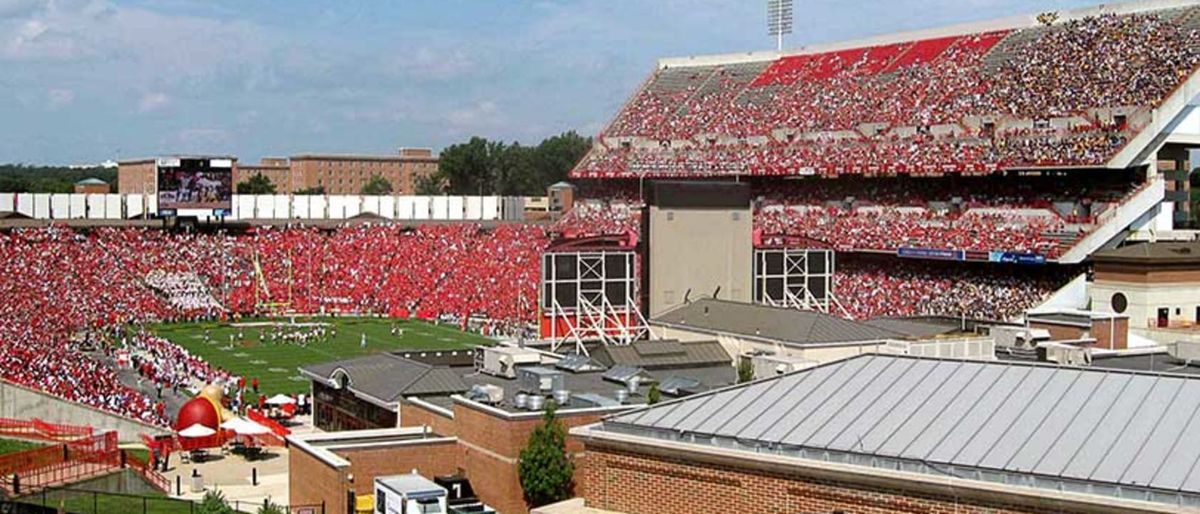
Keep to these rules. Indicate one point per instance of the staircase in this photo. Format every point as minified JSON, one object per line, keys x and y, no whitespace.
{"x":1116,"y":221}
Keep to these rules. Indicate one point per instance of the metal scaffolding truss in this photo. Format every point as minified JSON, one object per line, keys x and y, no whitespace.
{"x":591,"y":296}
{"x":796,"y":279}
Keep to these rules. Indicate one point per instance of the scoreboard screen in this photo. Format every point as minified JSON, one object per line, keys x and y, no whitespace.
{"x":194,"y":183}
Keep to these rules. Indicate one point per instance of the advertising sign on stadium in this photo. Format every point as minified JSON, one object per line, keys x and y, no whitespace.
{"x":930,"y":253}
{"x":1016,"y":258}
{"x":193,"y":183}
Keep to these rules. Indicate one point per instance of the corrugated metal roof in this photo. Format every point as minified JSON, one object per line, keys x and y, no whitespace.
{"x":1096,"y":427}
{"x":786,"y":325}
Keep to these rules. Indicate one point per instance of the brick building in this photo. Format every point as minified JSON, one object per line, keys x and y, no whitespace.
{"x":440,"y":396}
{"x":337,"y":174}
{"x":884,"y":434}
{"x":91,"y":186}
{"x":276,"y":169}
{"x":347,"y":174}
{"x":135,"y":177}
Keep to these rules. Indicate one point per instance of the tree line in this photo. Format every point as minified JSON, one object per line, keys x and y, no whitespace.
{"x":25,"y":178}
{"x":478,"y":167}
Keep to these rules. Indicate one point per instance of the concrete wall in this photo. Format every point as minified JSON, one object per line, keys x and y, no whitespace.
{"x":1182,"y":299}
{"x":700,"y":250}
{"x":22,"y":403}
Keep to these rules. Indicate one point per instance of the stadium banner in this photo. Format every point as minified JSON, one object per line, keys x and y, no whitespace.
{"x":1016,"y":257}
{"x":930,"y":253}
{"x":194,"y":183}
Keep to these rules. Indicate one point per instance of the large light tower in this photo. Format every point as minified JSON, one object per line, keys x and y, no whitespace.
{"x":779,"y":20}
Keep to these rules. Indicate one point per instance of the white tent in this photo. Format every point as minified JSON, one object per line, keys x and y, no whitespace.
{"x":280,"y":399}
{"x":242,"y":426}
{"x":196,"y":430}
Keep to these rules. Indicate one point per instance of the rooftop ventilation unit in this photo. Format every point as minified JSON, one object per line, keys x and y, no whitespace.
{"x":490,"y":394}
{"x":539,"y":380}
{"x":679,"y":386}
{"x":578,"y":363}
{"x":630,"y":376}
{"x":502,"y":361}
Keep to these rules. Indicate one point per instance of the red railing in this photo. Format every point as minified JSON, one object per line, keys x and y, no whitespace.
{"x":60,"y":463}
{"x":262,"y":419}
{"x":147,"y":472}
{"x":43,"y":431}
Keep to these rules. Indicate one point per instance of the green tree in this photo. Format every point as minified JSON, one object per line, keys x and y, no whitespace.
{"x":319,"y":190}
{"x":555,"y":157}
{"x":429,"y":186}
{"x":483,"y":167}
{"x":259,"y":184}
{"x":24,"y":178}
{"x":377,"y":186}
{"x":214,"y":503}
{"x":544,"y":468}
{"x":271,"y":508}
{"x":653,"y":396}
{"x":745,"y":370}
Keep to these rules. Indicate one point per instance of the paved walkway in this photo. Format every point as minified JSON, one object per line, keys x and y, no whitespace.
{"x":231,"y":474}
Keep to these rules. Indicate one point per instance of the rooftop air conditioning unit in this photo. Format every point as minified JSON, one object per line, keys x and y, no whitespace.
{"x":769,"y":365}
{"x":1186,"y":352}
{"x":1068,"y":355}
{"x":502,"y":361}
{"x":490,"y":394}
{"x":539,"y":380}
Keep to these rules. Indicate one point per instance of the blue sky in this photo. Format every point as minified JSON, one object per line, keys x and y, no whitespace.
{"x":89,"y":80}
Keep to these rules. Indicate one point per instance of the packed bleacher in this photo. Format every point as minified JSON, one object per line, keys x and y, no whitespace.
{"x":58,"y":284}
{"x":869,"y":287}
{"x":1071,"y":93}
{"x":1043,"y":214}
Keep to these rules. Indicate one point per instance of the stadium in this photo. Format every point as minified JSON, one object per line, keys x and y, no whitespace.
{"x":850,"y":211}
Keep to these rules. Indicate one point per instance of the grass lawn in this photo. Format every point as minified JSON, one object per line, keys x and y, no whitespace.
{"x":275,"y":363}
{"x":14,"y":446}
{"x":84,"y":502}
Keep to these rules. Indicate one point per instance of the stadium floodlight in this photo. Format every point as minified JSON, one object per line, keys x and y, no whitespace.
{"x":779,"y":20}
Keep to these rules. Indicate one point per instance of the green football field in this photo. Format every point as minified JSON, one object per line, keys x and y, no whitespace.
{"x":275,"y":363}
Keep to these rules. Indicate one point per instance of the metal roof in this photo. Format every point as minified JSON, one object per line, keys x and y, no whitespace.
{"x":1152,"y":253}
{"x":388,"y":377}
{"x":1098,"y":431}
{"x":790,"y":326}
{"x":917,"y":328}
{"x":664,"y":354}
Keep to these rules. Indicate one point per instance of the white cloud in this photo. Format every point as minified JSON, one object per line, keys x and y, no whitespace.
{"x":204,"y":140}
{"x":57,"y":97}
{"x":18,"y":8}
{"x":428,"y":63}
{"x":151,"y":102}
{"x":479,"y":116}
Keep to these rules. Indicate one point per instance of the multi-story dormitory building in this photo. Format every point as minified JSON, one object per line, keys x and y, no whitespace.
{"x":337,"y":174}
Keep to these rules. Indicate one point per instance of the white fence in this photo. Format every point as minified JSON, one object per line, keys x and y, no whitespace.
{"x":263,"y":207}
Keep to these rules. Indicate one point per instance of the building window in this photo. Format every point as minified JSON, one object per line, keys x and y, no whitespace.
{"x":1119,"y":303}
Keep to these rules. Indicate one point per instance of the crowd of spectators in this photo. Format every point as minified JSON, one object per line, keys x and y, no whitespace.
{"x":730,"y":118}
{"x":596,"y":217}
{"x":59,"y":284}
{"x":870,"y":287}
{"x":1035,"y":214}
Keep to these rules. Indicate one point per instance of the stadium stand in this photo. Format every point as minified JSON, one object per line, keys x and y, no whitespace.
{"x":58,"y":283}
{"x":1067,"y":94}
